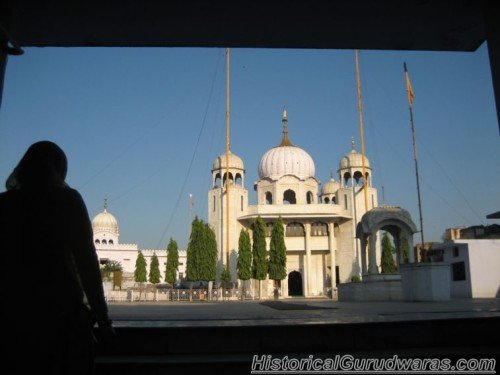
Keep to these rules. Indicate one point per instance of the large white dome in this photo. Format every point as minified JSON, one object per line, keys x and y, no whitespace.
{"x":286,"y":160}
{"x":105,"y":222}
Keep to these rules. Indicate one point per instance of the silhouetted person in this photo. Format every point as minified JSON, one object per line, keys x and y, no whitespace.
{"x":51,"y":289}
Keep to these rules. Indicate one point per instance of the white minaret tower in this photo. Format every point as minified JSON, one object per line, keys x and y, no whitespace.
{"x":217,"y":209}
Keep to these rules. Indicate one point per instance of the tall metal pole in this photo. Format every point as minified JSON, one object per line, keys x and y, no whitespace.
{"x":228,"y":112}
{"x":415,"y":157}
{"x":361,"y":130}
{"x":409,"y":91}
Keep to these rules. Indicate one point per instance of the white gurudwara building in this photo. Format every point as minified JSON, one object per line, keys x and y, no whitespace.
{"x":320,"y":220}
{"x":108,"y":247}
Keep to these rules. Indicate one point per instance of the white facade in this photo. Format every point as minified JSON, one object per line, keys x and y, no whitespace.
{"x":474,"y":267}
{"x":319,"y":223}
{"x":108,"y":247}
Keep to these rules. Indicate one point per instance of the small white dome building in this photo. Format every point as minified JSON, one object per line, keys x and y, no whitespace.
{"x":105,"y":227}
{"x":329,"y":191}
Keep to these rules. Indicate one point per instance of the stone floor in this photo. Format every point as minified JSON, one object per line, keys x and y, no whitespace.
{"x":292,"y":311}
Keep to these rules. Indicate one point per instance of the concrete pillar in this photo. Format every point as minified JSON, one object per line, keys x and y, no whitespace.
{"x":364,"y":242}
{"x":397,"y":245}
{"x":307,"y":263}
{"x":373,"y":253}
{"x":331,"y":245}
{"x":411,"y":250}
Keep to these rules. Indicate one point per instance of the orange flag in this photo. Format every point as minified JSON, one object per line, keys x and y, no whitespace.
{"x":409,"y":89}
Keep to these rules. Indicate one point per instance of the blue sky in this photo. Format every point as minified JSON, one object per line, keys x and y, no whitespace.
{"x":129,"y":121}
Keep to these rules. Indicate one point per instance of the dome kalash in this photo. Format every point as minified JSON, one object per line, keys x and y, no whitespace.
{"x":286,"y":159}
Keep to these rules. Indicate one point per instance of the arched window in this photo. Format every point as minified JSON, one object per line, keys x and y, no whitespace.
{"x":213,"y":203}
{"x":269,"y":229}
{"x":217,"y":180}
{"x":241,"y":201}
{"x":230,"y":177}
{"x":347,"y":178}
{"x":104,"y":242}
{"x":97,"y":241}
{"x":309,"y":197}
{"x":110,"y":242}
{"x":345,"y":202}
{"x":334,"y":200}
{"x":295,"y":229}
{"x":368,"y":182}
{"x":358,"y":178}
{"x":327,"y":200}
{"x":289,"y":197}
{"x":319,"y":229}
{"x":269,"y":197}
{"x":238,"y":179}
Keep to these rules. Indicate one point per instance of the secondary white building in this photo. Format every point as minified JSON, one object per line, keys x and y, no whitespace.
{"x":109,"y":248}
{"x":474,"y":266}
{"x":320,"y":221}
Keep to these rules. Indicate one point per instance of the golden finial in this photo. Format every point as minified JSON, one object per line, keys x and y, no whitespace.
{"x":285,"y":141}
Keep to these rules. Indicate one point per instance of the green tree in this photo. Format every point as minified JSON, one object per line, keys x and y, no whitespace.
{"x":140,"y":273}
{"x":172,"y":262}
{"x":387,"y":262}
{"x":208,"y":258}
{"x":277,"y":253}
{"x":225,"y":276}
{"x":244,"y":262}
{"x":154,"y":270}
{"x":201,"y":253}
{"x":194,"y":250}
{"x":259,"y":252}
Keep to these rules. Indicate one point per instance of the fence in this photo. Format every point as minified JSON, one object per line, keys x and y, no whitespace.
{"x":182,"y":295}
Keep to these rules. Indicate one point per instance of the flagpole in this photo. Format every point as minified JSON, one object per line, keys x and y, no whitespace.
{"x":409,"y":91}
{"x":361,"y":130}
{"x":228,"y":111}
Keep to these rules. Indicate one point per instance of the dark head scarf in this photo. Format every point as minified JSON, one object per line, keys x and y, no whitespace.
{"x":43,"y":166}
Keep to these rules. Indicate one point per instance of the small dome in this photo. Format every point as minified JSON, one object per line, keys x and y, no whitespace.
{"x":286,"y":160}
{"x":330,"y":187}
{"x":353,"y":160}
{"x":105,"y":222}
{"x":234,"y":162}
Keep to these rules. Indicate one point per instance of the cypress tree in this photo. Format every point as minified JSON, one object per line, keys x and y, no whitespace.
{"x":140,"y":273}
{"x":225,"y":276}
{"x":259,"y":252}
{"x":193,"y":252}
{"x":154,"y":270}
{"x":244,"y":263}
{"x":172,"y":262}
{"x":387,"y":261}
{"x":208,"y":254}
{"x":277,"y":252}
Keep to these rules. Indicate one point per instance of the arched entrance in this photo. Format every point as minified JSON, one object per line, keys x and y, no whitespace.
{"x":294,"y":283}
{"x":391,"y":219}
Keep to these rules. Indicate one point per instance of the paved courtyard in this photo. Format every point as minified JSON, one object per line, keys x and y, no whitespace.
{"x":292,"y":311}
